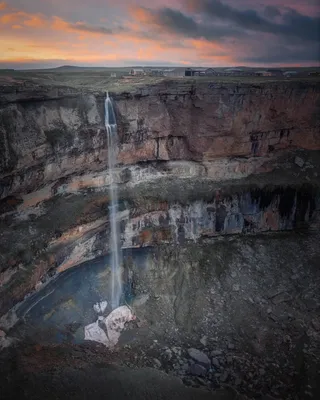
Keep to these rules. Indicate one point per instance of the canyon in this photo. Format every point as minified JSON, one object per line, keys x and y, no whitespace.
{"x":219,"y":208}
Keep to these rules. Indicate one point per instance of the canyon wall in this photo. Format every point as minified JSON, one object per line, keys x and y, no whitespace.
{"x":196,"y":160}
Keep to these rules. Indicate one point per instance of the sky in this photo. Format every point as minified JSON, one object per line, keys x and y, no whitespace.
{"x":215,"y":33}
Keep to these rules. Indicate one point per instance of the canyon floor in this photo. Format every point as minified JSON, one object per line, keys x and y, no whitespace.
{"x":243,"y":325}
{"x":89,"y":371}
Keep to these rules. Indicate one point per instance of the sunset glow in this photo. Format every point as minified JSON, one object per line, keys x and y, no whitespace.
{"x":42,"y":33}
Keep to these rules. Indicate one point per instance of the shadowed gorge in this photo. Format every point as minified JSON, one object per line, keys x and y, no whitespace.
{"x":211,"y":191}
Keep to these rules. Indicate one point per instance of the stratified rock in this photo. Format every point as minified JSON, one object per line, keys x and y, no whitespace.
{"x":196,"y":160}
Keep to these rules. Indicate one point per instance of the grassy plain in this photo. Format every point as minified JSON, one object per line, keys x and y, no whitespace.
{"x":98,"y":79}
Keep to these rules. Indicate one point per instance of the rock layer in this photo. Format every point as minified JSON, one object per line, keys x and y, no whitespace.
{"x":196,"y":159}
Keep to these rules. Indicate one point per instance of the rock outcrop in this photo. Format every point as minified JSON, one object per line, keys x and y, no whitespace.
{"x":196,"y":160}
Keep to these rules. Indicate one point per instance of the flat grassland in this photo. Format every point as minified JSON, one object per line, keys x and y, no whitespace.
{"x":100,"y":79}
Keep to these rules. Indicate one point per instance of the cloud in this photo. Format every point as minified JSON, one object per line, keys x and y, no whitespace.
{"x":11,"y":18}
{"x":271,"y":12}
{"x":82,"y":27}
{"x":301,"y":26}
{"x":200,"y":32}
{"x":168,"y":20}
{"x":3,"y":5}
{"x":21,"y":17}
{"x":40,"y":21}
{"x":238,"y":31}
{"x":293,"y":23}
{"x":279,"y":54}
{"x":35,"y":21}
{"x":79,"y":27}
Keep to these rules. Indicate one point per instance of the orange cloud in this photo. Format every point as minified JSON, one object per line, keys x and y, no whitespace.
{"x":79,"y":27}
{"x":11,"y":18}
{"x":3,"y":6}
{"x":85,"y":43}
{"x":141,"y":14}
{"x":144,"y":16}
{"x":21,"y":17}
{"x":205,"y":46}
{"x":35,"y":21}
{"x":59,"y":24}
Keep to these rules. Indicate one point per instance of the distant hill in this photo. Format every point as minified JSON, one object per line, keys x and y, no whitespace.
{"x":75,"y":68}
{"x":71,"y":68}
{"x":64,"y":67}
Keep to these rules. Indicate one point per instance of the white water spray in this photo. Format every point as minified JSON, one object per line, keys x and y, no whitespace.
{"x":115,"y":248}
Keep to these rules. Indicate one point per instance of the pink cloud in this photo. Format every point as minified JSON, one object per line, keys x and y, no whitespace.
{"x":138,"y":33}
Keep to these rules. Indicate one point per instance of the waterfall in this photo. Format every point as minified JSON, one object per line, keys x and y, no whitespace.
{"x":115,"y":248}
{"x":114,"y":323}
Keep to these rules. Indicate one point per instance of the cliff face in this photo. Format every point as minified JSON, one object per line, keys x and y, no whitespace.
{"x":195,"y":161}
{"x":174,"y":122}
{"x":48,"y":134}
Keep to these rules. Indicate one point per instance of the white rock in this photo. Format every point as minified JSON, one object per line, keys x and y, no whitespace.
{"x":94,"y":333}
{"x":100,"y":308}
{"x":114,"y":323}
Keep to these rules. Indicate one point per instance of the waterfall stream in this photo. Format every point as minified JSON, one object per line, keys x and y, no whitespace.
{"x":115,"y":321}
{"x":115,"y":247}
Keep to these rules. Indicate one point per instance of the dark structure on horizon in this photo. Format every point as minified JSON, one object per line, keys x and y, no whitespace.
{"x":199,"y":72}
